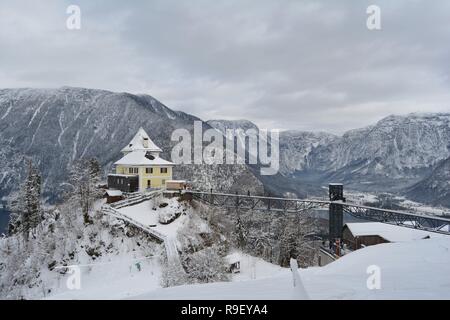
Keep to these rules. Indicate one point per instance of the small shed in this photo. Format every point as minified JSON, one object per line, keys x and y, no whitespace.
{"x":362,"y":234}
{"x":113,"y":195}
{"x":176,"y":184}
{"x":234,"y":262}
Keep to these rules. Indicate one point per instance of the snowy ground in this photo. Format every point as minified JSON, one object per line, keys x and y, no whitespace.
{"x":253,"y":268}
{"x":114,"y":277}
{"x":144,"y":213}
{"x":410,"y":270}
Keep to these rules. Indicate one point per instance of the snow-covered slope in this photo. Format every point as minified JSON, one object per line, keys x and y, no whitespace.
{"x":434,"y":189}
{"x":223,"y":125}
{"x":114,"y":259}
{"x":396,"y":147}
{"x":295,"y":146}
{"x":410,"y":270}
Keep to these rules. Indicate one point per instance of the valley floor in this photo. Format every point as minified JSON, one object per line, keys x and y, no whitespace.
{"x":405,"y":204}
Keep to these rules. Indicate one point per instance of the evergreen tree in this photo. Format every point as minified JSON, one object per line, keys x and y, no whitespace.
{"x":241,"y":232}
{"x":26,"y":208}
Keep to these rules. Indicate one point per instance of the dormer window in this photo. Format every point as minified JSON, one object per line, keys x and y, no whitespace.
{"x":149,"y":156}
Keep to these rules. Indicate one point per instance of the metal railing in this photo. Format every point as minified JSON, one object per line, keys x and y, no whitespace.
{"x":427,"y":222}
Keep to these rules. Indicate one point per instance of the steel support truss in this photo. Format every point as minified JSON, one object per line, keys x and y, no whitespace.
{"x":246,"y":202}
{"x":260,"y":203}
{"x":409,"y":220}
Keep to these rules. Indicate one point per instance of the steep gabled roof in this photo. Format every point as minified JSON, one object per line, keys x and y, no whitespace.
{"x":137,"y":143}
{"x":139,"y":158}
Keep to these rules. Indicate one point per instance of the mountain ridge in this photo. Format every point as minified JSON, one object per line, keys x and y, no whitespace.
{"x":55,"y":127}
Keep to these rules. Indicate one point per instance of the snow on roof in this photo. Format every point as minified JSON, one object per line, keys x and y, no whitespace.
{"x":138,"y":158}
{"x":389,"y":232}
{"x":233,"y":258}
{"x":137,"y":143}
{"x":114,"y":193}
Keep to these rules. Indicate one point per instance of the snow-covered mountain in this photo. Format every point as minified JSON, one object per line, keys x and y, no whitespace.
{"x":55,"y":127}
{"x":223,"y":125}
{"x":397,"y":150}
{"x":434,"y":189}
{"x":393,"y":154}
{"x":295,"y":146}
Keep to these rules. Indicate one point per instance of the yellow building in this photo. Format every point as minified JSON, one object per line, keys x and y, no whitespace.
{"x":141,"y":167}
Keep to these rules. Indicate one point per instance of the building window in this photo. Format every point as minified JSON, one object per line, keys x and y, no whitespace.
{"x":163,"y":170}
{"x":149,"y":183}
{"x":133,"y":170}
{"x":148,"y":170}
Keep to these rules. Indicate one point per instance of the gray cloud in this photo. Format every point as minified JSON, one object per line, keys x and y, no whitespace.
{"x":309,"y":65}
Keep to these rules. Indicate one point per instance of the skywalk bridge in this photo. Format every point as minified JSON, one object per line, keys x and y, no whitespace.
{"x":337,"y":206}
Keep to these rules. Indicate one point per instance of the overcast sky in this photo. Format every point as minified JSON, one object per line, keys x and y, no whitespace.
{"x":306,"y":65}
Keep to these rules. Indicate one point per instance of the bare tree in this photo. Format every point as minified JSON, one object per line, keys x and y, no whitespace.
{"x":85,"y":178}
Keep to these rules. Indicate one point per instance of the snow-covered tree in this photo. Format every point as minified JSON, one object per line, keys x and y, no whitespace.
{"x":26,"y":205}
{"x":205,"y":266}
{"x":85,"y":177}
{"x":241,"y":232}
{"x":171,"y":275}
{"x":294,"y":242}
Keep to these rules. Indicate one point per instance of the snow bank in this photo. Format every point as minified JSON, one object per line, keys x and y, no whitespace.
{"x":409,"y":270}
